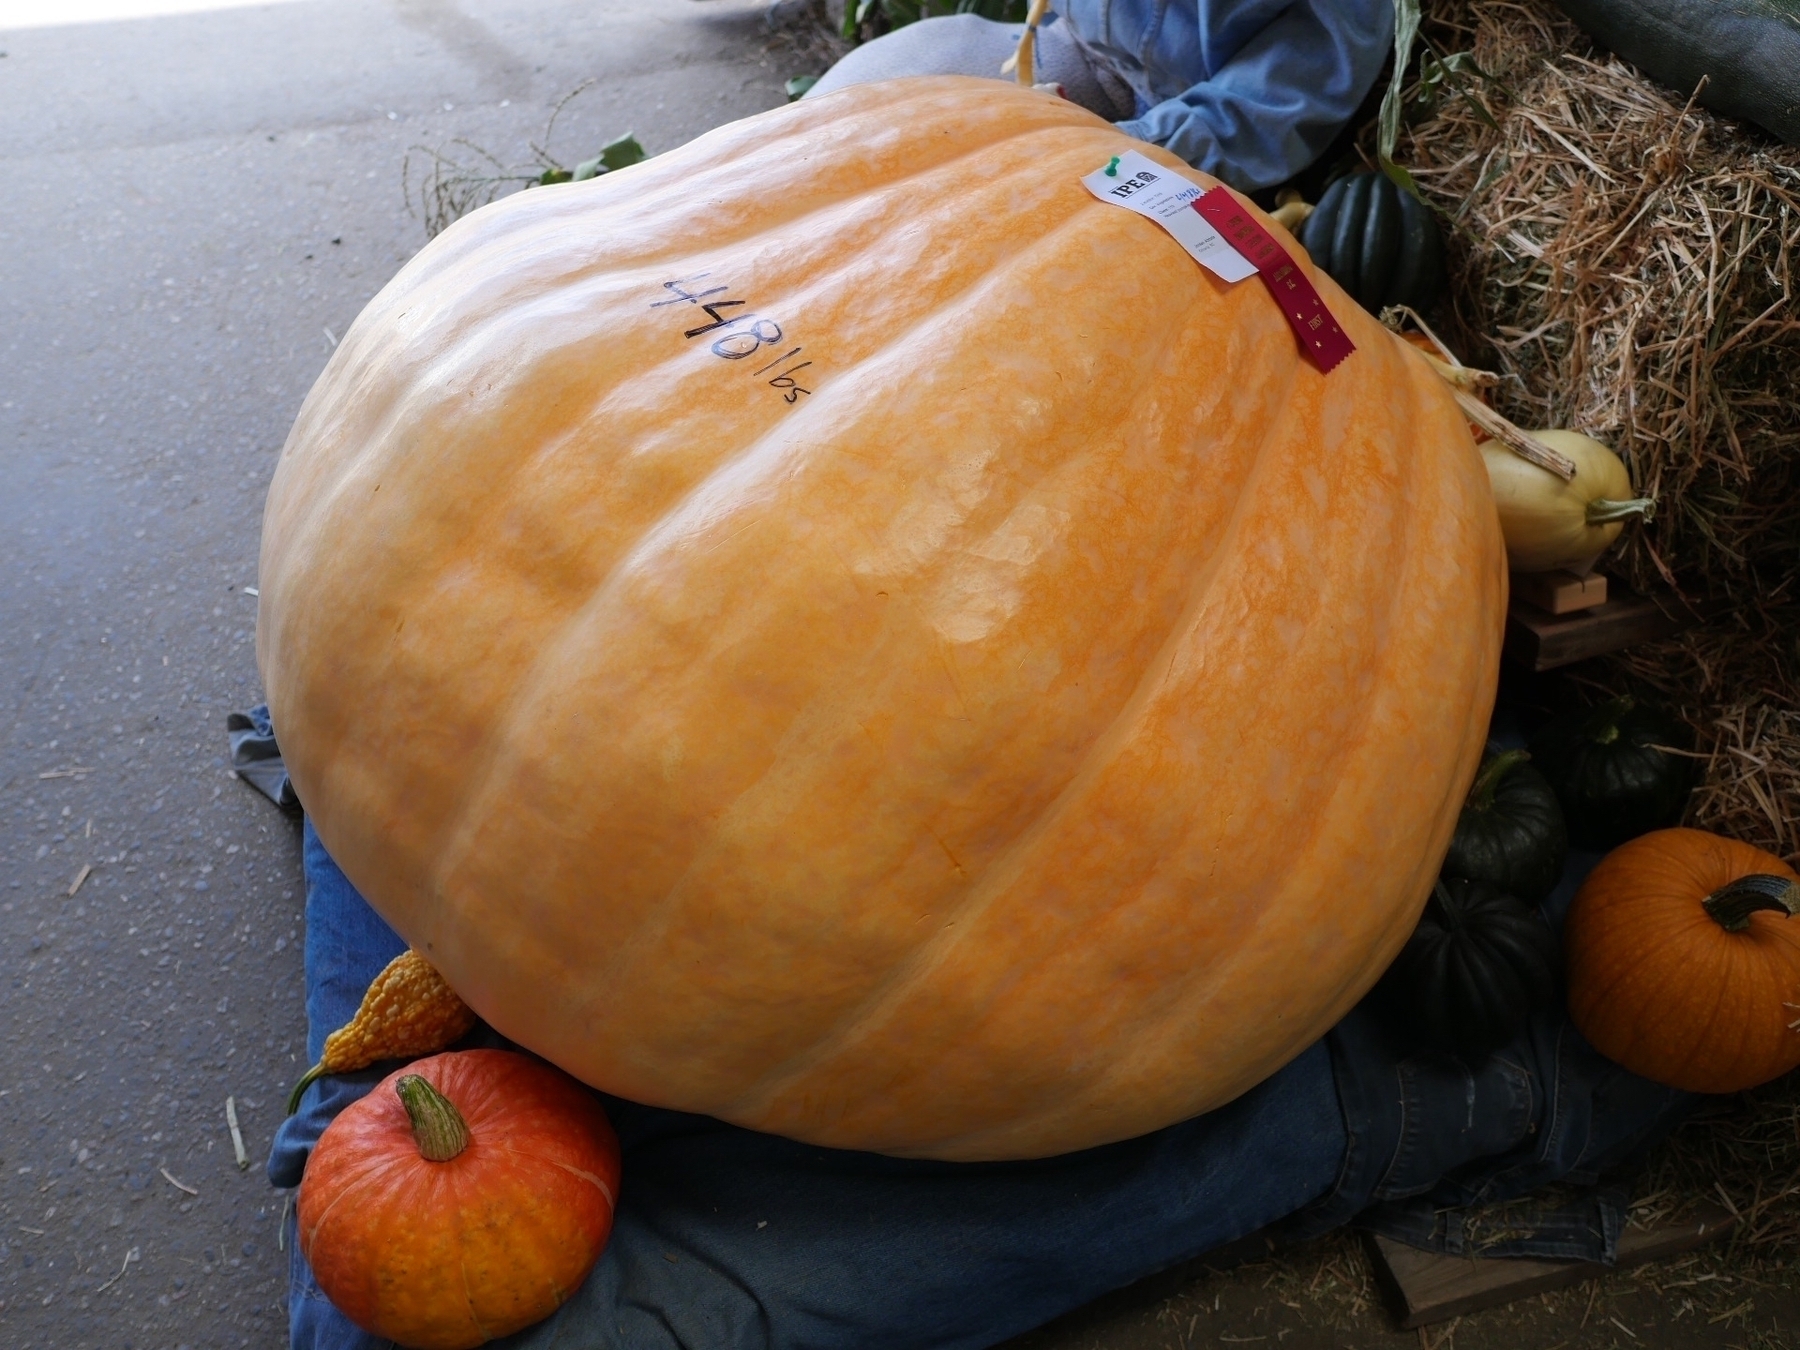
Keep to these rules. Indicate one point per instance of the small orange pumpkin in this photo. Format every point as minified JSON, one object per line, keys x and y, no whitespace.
{"x":1684,"y":963}
{"x":466,"y":1197}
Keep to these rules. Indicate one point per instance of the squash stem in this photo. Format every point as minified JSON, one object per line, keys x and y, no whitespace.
{"x":1466,"y":378}
{"x":1291,"y":216}
{"x":307,"y":1079}
{"x":1452,"y":915}
{"x":438,"y":1127}
{"x":1521,"y":442}
{"x":1600,"y":511}
{"x":1024,"y":66}
{"x":1602,"y":725}
{"x":1731,"y":906}
{"x":1487,"y":782}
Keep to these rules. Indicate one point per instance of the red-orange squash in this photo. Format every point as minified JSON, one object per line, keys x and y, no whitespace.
{"x":1684,"y":961}
{"x":464,"y":1198}
{"x":836,"y":628}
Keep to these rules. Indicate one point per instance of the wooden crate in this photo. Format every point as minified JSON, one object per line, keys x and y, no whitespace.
{"x":1560,"y":592}
{"x":1539,"y":640}
{"x":1427,"y":1287}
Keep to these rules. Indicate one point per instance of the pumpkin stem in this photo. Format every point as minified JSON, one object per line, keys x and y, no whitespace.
{"x":1731,"y":906}
{"x":1600,"y":511}
{"x":1487,"y":782}
{"x":438,"y":1126}
{"x":1602,"y":728}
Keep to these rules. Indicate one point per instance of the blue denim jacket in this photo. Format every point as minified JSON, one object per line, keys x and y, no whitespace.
{"x":1250,"y":91}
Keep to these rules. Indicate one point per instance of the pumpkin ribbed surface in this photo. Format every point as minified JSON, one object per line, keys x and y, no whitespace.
{"x":1660,"y":986}
{"x":448,"y":1250}
{"x":1034,"y":734}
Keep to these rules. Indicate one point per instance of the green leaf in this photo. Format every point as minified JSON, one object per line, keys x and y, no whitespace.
{"x":1387,"y":134}
{"x":622,"y":152}
{"x":619,"y":153}
{"x":1448,"y":70}
{"x":1399,"y":177}
{"x":550,"y":176}
{"x":1406,"y":32}
{"x":797,"y":87}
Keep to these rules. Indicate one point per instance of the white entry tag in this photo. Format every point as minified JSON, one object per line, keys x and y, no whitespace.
{"x":1139,"y":184}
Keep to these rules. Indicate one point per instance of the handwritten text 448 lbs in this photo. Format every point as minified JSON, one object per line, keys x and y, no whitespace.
{"x":739,"y":335}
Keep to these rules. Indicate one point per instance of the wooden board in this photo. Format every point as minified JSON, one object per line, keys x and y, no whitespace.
{"x":1559,"y":592}
{"x":1427,"y":1287}
{"x":1540,"y":641}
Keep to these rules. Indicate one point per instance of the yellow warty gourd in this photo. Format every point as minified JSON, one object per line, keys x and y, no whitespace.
{"x":1549,"y":523}
{"x":408,"y":1011}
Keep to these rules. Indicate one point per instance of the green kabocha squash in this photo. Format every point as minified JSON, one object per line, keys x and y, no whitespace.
{"x":1480,"y":963}
{"x":1619,"y":770}
{"x":1747,"y":51}
{"x":1379,"y":243}
{"x":1510,"y":833}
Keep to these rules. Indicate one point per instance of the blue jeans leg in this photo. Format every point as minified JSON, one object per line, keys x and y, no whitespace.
{"x":726,"y":1239}
{"x":347,"y":944}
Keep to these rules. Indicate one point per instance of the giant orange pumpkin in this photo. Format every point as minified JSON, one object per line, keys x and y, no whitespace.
{"x":836,"y":628}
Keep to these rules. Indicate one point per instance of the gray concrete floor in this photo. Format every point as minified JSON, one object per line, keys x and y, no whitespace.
{"x":190,"y":208}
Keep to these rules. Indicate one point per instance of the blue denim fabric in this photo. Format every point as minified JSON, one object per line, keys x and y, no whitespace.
{"x":726,"y":1239}
{"x":730,"y":1240}
{"x":1442,"y":1152}
{"x":735,"y":1240}
{"x":1570,"y":1224}
{"x":1250,"y":91}
{"x":347,"y":944}
{"x":256,"y":758}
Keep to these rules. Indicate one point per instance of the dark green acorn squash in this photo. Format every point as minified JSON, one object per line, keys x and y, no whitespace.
{"x":1379,"y":243}
{"x":1480,"y":963}
{"x":1617,"y":770}
{"x":1747,"y":50}
{"x":1510,"y":833}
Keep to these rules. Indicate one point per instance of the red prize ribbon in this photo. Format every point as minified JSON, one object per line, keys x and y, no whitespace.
{"x":1324,"y":343}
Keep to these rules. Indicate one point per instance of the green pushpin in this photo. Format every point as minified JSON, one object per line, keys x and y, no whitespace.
{"x":1112,"y":167}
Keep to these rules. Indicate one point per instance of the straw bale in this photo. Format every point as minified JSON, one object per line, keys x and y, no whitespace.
{"x":1627,"y":261}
